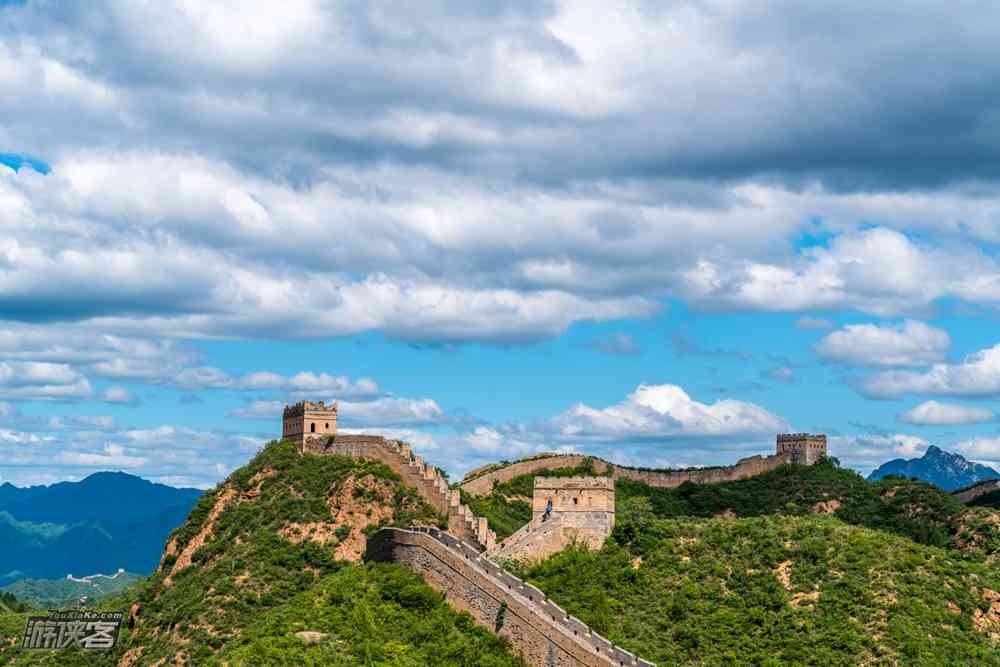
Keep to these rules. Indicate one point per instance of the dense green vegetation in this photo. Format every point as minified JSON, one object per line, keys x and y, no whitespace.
{"x":809,"y":565}
{"x":508,"y":507}
{"x":991,"y":499}
{"x":250,"y":588}
{"x":914,"y":509}
{"x":11,"y":604}
{"x":776,"y":590}
{"x":368,"y":615}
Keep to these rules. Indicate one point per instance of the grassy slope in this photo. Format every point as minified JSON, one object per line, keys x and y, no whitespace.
{"x":250,"y":589}
{"x":697,"y":591}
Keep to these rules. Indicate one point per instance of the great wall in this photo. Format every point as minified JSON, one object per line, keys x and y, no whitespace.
{"x":746,"y":467}
{"x":460,"y":563}
{"x":969,"y":494}
{"x":538,"y":629}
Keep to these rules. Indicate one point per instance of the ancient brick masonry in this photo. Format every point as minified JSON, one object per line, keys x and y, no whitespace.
{"x":971,"y":493}
{"x":804,"y":448}
{"x":564,"y":510}
{"x":425,"y":478}
{"x":308,"y":421}
{"x":800,"y":448}
{"x":539,"y":630}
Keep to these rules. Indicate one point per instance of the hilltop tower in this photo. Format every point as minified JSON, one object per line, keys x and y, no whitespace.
{"x":309,"y":423}
{"x":805,"y":448}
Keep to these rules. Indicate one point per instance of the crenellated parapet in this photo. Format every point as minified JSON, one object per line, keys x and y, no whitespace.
{"x":307,"y":423}
{"x":430,"y":484}
{"x":540,"y":631}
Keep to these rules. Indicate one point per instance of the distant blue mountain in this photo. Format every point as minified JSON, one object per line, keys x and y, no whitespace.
{"x":946,"y":470}
{"x":107,"y":521}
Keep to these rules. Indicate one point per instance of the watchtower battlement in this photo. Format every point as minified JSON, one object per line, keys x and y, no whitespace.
{"x":572,"y":495}
{"x":306,"y":421}
{"x":805,"y":448}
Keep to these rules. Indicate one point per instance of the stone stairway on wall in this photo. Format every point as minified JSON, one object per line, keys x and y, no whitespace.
{"x":539,"y":630}
{"x":536,"y":540}
{"x":425,"y":478}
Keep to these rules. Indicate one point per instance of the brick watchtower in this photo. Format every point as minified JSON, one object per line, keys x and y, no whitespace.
{"x":307,"y":423}
{"x":805,"y":448}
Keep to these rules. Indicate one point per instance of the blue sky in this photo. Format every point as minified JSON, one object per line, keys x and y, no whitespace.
{"x":659,"y":234}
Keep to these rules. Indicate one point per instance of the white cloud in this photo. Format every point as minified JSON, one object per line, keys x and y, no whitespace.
{"x":389,"y":411}
{"x":260,"y":410}
{"x":866,"y":452}
{"x":37,"y":380}
{"x":113,"y":456}
{"x":935,"y":413}
{"x":380,"y":412}
{"x":117,"y":394}
{"x":976,"y":376}
{"x":665,"y":411}
{"x":910,"y":343}
{"x":853,"y":273}
{"x":985,"y":450}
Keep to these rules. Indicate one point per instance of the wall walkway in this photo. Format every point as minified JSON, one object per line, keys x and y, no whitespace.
{"x":541,"y":632}
{"x":425,"y":478}
{"x":747,"y":467}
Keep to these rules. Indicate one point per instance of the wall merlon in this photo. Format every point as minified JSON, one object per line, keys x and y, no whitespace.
{"x":540,"y":624}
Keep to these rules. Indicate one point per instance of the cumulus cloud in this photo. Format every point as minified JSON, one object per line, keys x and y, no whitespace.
{"x":121,"y":395}
{"x":910,"y":343}
{"x":935,"y":413}
{"x":40,"y":380}
{"x":867,"y":452}
{"x":976,"y":376}
{"x":665,"y":411}
{"x":384,"y":411}
{"x":983,"y":449}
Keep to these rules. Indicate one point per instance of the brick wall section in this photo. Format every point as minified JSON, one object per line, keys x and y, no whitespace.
{"x":747,"y":467}
{"x":973,"y":492}
{"x":539,"y":630}
{"x":425,"y":478}
{"x":583,"y":510}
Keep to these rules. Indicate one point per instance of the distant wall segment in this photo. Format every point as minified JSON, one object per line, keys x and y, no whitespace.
{"x":973,"y":492}
{"x":747,"y":467}
{"x":541,"y":632}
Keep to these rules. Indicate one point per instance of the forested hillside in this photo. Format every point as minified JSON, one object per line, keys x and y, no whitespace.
{"x":265,"y":570}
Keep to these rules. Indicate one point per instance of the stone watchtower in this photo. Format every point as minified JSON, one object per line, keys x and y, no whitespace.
{"x":309,"y":423}
{"x":805,"y":448}
{"x":584,"y":505}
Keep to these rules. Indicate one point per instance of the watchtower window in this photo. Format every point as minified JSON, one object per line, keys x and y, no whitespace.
{"x":328,"y":426}
{"x":576,"y":501}
{"x":312,"y":428}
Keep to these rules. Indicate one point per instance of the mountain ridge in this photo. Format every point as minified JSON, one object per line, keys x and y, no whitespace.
{"x":948,"y":470}
{"x":106,"y":521}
